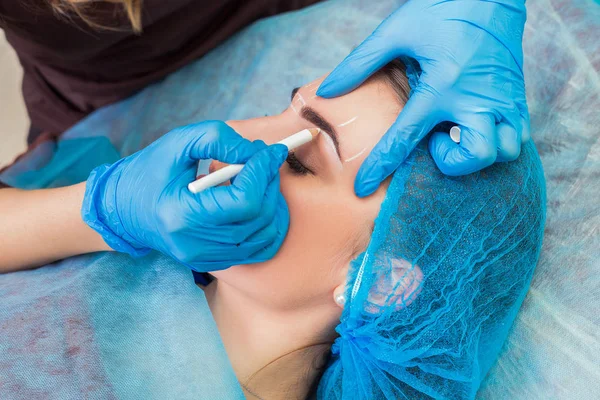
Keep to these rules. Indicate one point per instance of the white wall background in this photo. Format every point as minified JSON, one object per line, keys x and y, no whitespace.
{"x":14,"y":122}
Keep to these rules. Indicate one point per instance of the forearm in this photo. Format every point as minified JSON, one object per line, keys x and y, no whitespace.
{"x":41,"y":226}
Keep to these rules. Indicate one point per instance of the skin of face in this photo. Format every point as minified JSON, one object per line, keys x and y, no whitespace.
{"x":329,"y":224}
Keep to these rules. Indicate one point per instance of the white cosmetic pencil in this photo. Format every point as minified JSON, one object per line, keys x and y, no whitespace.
{"x":226,"y":173}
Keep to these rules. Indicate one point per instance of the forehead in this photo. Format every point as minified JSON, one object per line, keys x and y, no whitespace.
{"x":360,"y":117}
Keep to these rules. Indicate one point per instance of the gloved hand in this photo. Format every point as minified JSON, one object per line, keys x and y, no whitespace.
{"x":141,"y":202}
{"x":471,"y":58}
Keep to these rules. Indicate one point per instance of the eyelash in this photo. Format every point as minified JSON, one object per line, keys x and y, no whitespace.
{"x":296,"y":166}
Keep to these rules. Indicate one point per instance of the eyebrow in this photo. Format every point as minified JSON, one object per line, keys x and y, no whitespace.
{"x":311,"y":115}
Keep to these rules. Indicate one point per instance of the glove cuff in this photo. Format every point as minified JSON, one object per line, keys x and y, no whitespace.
{"x":105,"y":219}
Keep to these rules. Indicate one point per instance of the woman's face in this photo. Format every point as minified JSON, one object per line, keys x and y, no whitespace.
{"x":329,"y":224}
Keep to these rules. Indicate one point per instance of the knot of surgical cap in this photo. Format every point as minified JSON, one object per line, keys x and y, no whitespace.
{"x":350,"y":335}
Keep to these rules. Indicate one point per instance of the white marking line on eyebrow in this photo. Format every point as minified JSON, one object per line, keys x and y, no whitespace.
{"x":294,"y":108}
{"x":331,"y":148}
{"x":351,"y":120}
{"x":354,"y":157}
{"x":301,"y":99}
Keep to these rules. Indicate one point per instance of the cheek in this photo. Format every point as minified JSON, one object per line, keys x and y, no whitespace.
{"x":326,"y":227}
{"x":322,"y":224}
{"x":328,"y":223}
{"x":317,"y":249}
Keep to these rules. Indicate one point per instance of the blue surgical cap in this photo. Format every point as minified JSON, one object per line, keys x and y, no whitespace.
{"x":431,"y":300}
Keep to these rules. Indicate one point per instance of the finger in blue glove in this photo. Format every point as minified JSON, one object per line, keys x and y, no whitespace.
{"x":471,"y":57}
{"x":141,"y":202}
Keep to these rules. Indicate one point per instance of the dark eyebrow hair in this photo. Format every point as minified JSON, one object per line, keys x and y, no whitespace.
{"x":317,"y":119}
{"x":312,"y":116}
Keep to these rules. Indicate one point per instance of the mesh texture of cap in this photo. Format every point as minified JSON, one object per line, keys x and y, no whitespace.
{"x":432,"y":299}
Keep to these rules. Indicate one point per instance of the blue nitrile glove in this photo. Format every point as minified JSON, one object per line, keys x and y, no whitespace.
{"x":141,"y":202}
{"x":471,"y":58}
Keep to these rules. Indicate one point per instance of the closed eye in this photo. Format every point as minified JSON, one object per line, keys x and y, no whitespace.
{"x":296,"y":166}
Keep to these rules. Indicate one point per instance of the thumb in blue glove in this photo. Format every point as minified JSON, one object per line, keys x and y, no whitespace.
{"x":142,"y":202}
{"x":471,"y":58}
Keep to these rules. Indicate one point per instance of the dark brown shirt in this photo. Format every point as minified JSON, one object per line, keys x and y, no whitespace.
{"x":71,"y":69}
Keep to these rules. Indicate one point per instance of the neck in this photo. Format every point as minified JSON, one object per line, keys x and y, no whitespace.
{"x":271,"y":349}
